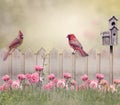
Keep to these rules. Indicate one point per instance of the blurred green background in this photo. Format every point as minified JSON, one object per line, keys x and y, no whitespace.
{"x":46,"y":23}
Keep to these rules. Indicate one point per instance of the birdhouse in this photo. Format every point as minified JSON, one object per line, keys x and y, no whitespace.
{"x":106,"y":38}
{"x":114,"y":36}
{"x":113,"y":21}
{"x":113,"y":31}
{"x":111,"y":37}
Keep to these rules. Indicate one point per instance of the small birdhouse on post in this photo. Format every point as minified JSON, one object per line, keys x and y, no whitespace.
{"x":110,"y":38}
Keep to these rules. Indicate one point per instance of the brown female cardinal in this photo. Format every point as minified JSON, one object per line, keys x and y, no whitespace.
{"x":76,"y":45}
{"x":14,"y":44}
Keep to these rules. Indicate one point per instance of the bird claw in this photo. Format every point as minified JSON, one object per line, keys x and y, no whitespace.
{"x":73,"y":53}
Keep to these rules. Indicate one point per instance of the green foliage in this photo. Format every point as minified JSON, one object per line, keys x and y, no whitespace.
{"x":58,"y":97}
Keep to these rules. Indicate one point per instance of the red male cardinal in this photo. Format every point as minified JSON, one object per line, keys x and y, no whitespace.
{"x":14,"y":44}
{"x":76,"y":45}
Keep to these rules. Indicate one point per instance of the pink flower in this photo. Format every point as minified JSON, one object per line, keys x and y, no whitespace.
{"x":5,"y":86}
{"x":45,"y":86}
{"x":67,"y":75}
{"x":38,"y":68}
{"x":21,"y":77}
{"x":112,"y":88}
{"x":5,"y":77}
{"x":116,"y":81}
{"x":72,"y":87}
{"x":84,"y":77}
{"x":34,"y":78}
{"x":50,"y":85}
{"x":103,"y":82}
{"x":77,"y":88}
{"x":28,"y":76}
{"x":60,"y":84}
{"x":84,"y":85}
{"x":73,"y":82}
{"x":99,"y":76}
{"x":51,"y":77}
{"x":55,"y":81}
{"x":1,"y":88}
{"x":15,"y":84}
{"x":10,"y":82}
{"x":88,"y":81}
{"x":93,"y":84}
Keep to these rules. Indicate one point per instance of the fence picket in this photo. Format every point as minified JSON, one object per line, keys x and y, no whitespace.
{"x":17,"y":63}
{"x":92,"y":64}
{"x":105,"y":64}
{"x":67,"y":61}
{"x":116,"y":64}
{"x":30,"y":61}
{"x":54,"y":62}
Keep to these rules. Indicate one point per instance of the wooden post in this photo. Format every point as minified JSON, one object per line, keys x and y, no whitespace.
{"x":99,"y":63}
{"x":23,"y":63}
{"x":11,"y":74}
{"x":74,"y":66}
{"x":61,"y":65}
{"x":111,"y":65}
{"x":87,"y":65}
{"x":49,"y":70}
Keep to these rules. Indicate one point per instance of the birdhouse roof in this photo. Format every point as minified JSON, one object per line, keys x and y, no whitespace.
{"x":114,"y":28}
{"x":113,"y":18}
{"x":105,"y":33}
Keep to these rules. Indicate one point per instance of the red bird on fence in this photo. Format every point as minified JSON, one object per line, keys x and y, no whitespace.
{"x":14,"y":44}
{"x":76,"y":45}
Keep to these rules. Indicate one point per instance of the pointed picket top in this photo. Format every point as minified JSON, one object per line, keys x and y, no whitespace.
{"x":16,"y":53}
{"x":116,"y":52}
{"x":67,"y":53}
{"x":42,"y":52}
{"x":104,"y":53}
{"x":92,"y":52}
{"x":29,"y":53}
{"x":54,"y":52}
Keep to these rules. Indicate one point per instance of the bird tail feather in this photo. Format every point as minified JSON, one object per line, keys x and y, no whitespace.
{"x":82,"y":52}
{"x":6,"y":54}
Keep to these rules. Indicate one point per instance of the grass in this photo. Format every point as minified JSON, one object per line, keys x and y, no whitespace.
{"x":58,"y":97}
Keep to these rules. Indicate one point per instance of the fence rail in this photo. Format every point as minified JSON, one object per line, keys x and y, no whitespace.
{"x":58,"y":63}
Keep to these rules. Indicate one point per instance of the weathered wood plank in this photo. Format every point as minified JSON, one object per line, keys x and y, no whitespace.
{"x":105,"y":64}
{"x":5,"y":66}
{"x":81,"y":66}
{"x":30,"y":61}
{"x":92,"y":64}
{"x":116,"y":64}
{"x":54,"y":61}
{"x":67,"y":61}
{"x":17,"y":62}
{"x":42,"y":59}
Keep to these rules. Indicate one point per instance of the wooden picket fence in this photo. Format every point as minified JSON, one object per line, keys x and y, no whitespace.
{"x":59,"y":63}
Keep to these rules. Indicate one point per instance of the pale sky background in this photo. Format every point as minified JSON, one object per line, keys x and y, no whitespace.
{"x":46,"y":23}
